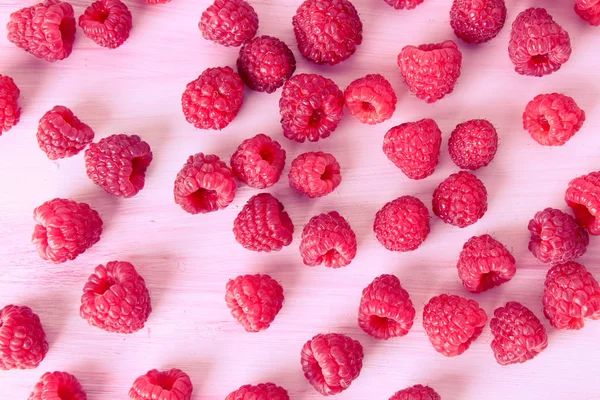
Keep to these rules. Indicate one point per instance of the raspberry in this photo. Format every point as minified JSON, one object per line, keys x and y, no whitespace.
{"x":417,"y":392}
{"x":214,"y":99}
{"x":265,"y":63}
{"x":552,"y":119}
{"x":414,"y":147}
{"x":583,"y":196}
{"x":371,"y":99}
{"x":477,"y":21}
{"x":311,"y":107}
{"x":22,"y":338}
{"x":431,"y":70}
{"x":473,"y":144}
{"x":402,"y":4}
{"x":327,"y":31}
{"x":331,"y":361}
{"x":315,"y":174}
{"x":107,"y":22}
{"x":571,"y":294}
{"x":589,"y":10}
{"x":204,"y":184}
{"x":518,"y":334}
{"x":10,"y":112}
{"x":118,"y":164}
{"x":173,"y":384}
{"x":328,"y":239}
{"x":538,"y":46}
{"x":263,"y":225}
{"x":452,"y":323}
{"x":254,"y":300}
{"x":61,"y":134}
{"x":229,"y":22}
{"x":115,"y":298}
{"x":46,"y":30}
{"x":460,"y":200}
{"x":262,"y":391}
{"x":402,"y":224}
{"x":258,"y":161}
{"x":58,"y":385}
{"x":65,"y":229}
{"x":484,"y":263}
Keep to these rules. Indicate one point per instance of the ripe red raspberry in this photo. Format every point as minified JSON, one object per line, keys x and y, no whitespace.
{"x":402,"y":4}
{"x":61,"y":134}
{"x":258,"y":161}
{"x":588,"y":10}
{"x":402,"y":224}
{"x":328,"y":239}
{"x":477,"y":21}
{"x":229,"y":23}
{"x":118,"y":164}
{"x":22,"y":338}
{"x":331,"y":361}
{"x":571,"y":294}
{"x":473,"y":144}
{"x":265,"y":63}
{"x":107,"y":22}
{"x":115,"y":298}
{"x":327,"y":31}
{"x":204,"y":184}
{"x":214,"y":99}
{"x":173,"y":384}
{"x":65,"y":229}
{"x":263,"y":225}
{"x":417,"y":392}
{"x":552,"y":119}
{"x":46,"y":30}
{"x":58,"y":385}
{"x":371,"y":99}
{"x":315,"y":174}
{"x":538,"y":45}
{"x":431,"y":70}
{"x":10,"y":112}
{"x":262,"y":391}
{"x":484,"y":263}
{"x":414,"y":147}
{"x":254,"y":300}
{"x":311,"y":107}
{"x":583,"y":196}
{"x":460,"y":200}
{"x":452,"y":323}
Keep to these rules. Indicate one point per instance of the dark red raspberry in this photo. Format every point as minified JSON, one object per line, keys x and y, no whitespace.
{"x":414,"y":147}
{"x":484,"y":263}
{"x":204,"y":184}
{"x":417,"y":392}
{"x":371,"y":99}
{"x":107,"y":22}
{"x":402,"y":4}
{"x":315,"y":174}
{"x":46,"y":30}
{"x":65,"y":229}
{"x":476,"y":21}
{"x":431,"y":70}
{"x":556,"y":238}
{"x":328,"y":239}
{"x":331,"y":361}
{"x":518,"y":334}
{"x":115,"y":298}
{"x":258,"y":161}
{"x":327,"y":31}
{"x":229,"y":23}
{"x":214,"y":99}
{"x":22,"y":338}
{"x":571,"y":294}
{"x":402,"y":224}
{"x":311,"y":107}
{"x":254,"y":300}
{"x":552,"y":119}
{"x":118,"y":164}
{"x":58,"y":385}
{"x":473,"y":144}
{"x":583,"y":196}
{"x":61,"y":134}
{"x":538,"y":45}
{"x":460,"y":200}
{"x":262,"y":391}
{"x":173,"y":384}
{"x":588,"y":10}
{"x":452,"y":323}
{"x":263,"y":225}
{"x":265,"y":63}
{"x":10,"y":112}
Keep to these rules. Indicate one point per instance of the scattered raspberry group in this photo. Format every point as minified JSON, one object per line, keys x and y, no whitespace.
{"x":417,"y":392}
{"x":371,"y":99}
{"x":107,"y":22}
{"x":173,"y":384}
{"x":58,"y":385}
{"x":61,"y":134}
{"x":328,"y":239}
{"x":262,"y":391}
{"x":315,"y":174}
{"x":402,"y":224}
{"x":552,"y":119}
{"x":10,"y":112}
{"x":477,"y":21}
{"x":588,"y":10}
{"x":473,"y":144}
{"x":258,"y":161}
{"x":22,"y":338}
{"x":229,"y":23}
{"x":460,"y":200}
{"x":583,"y":196}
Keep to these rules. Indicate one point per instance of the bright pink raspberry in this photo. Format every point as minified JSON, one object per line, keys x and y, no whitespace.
{"x":583,"y":196}
{"x":61,"y":134}
{"x":416,"y":392}
{"x":315,"y":174}
{"x":58,"y":385}
{"x":328,"y":239}
{"x":173,"y":384}
{"x":460,"y":200}
{"x":477,"y":21}
{"x":229,"y":23}
{"x":331,"y":362}
{"x":258,"y":161}
{"x":22,"y":338}
{"x":10,"y":112}
{"x":107,"y":22}
{"x":371,"y":99}
{"x":262,"y":391}
{"x":552,"y":119}
{"x":402,"y":224}
{"x":404,"y":4}
{"x":588,"y":10}
{"x":473,"y":144}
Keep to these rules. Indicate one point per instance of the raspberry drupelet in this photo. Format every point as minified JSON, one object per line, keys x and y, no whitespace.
{"x":107,"y":22}
{"x":58,"y":385}
{"x":476,"y":21}
{"x":10,"y":112}
{"x":22,"y":338}
{"x":588,"y":10}
{"x":262,"y":391}
{"x":460,"y":200}
{"x":583,"y":196}
{"x":258,"y":161}
{"x":416,"y":392}
{"x":473,"y":144}
{"x":371,"y":99}
{"x":403,"y":4}
{"x":173,"y":384}
{"x":229,"y":23}
{"x":328,"y":239}
{"x":61,"y":134}
{"x":552,"y":119}
{"x":315,"y":174}
{"x":402,"y":224}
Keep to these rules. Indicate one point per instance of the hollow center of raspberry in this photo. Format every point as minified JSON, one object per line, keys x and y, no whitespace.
{"x":100,"y":15}
{"x":544,"y":124}
{"x":138,"y":171}
{"x":367,"y":107}
{"x":330,"y":256}
{"x":488,"y":280}
{"x":381,"y":323}
{"x":65,"y":393}
{"x":315,"y":117}
{"x":165,"y":381}
{"x":67,"y":31}
{"x":203,"y":199}
{"x":539,"y":59}
{"x":583,"y":215}
{"x":267,"y":155}
{"x":327,"y":175}
{"x":103,"y":286}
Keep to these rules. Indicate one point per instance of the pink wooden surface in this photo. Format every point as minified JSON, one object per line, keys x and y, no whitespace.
{"x":186,"y":260}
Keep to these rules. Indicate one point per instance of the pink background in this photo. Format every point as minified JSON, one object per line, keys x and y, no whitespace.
{"x":186,"y":259}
